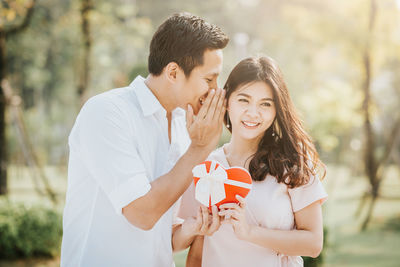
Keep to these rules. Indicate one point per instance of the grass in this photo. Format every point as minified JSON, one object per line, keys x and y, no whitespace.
{"x":346,"y":245}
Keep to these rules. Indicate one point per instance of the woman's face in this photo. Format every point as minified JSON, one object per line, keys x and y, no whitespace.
{"x":251,"y":110}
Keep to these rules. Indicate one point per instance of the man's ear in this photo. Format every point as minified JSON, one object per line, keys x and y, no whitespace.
{"x":171,"y":71}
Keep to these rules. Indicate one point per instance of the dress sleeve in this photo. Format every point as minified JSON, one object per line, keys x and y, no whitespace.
{"x":307,"y":194}
{"x":107,"y":146}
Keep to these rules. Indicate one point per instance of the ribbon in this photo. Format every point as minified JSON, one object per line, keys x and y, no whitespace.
{"x":210,"y":186}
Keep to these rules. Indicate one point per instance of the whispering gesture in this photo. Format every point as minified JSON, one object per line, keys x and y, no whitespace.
{"x":206,"y":127}
{"x":235,"y":214}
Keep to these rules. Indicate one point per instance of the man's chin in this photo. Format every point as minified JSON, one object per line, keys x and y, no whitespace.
{"x":196,"y":108}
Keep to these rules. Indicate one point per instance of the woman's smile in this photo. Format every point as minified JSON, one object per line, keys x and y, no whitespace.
{"x":250,"y":124}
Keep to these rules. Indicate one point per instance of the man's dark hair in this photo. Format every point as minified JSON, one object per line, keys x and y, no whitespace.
{"x":183,"y":38}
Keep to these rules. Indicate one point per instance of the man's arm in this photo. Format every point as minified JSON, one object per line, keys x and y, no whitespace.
{"x":204,"y":132}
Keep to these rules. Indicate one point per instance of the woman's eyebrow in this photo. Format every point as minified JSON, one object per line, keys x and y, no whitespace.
{"x":264,"y":99}
{"x":245,"y":95}
{"x":267,"y":99}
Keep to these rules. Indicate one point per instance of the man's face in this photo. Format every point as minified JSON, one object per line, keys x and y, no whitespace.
{"x":195,"y":88}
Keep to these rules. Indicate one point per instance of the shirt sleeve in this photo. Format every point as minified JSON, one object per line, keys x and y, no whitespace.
{"x":307,"y":194}
{"x":108,"y":149}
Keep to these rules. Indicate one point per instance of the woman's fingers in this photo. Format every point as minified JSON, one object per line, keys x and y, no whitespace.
{"x":199,"y":220}
{"x":204,"y":214}
{"x":242,"y":202}
{"x":215,"y":222}
{"x":230,"y":214}
{"x":229,"y":206}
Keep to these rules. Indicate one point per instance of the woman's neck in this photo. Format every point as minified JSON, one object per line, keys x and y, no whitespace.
{"x":239,"y":151}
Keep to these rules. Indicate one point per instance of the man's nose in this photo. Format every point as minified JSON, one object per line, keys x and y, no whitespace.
{"x":214,"y":85}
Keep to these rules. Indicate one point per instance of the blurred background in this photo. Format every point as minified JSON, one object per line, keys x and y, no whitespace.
{"x":341,"y":61}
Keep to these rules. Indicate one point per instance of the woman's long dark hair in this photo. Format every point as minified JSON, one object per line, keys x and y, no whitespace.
{"x":285,"y":151}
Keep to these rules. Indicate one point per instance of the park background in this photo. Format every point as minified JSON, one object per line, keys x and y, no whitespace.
{"x":340,"y":59}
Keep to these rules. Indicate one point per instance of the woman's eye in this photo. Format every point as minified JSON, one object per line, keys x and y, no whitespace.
{"x":243,"y":100}
{"x":266,"y":104}
{"x":208,"y":80}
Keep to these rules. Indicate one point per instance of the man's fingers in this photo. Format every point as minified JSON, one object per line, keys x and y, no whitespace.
{"x":222,"y":113}
{"x":213,"y":105}
{"x":206,"y":104}
{"x":219,"y":105}
{"x":189,"y":116}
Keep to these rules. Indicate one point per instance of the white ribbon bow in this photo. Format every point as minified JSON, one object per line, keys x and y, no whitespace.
{"x":210,"y":184}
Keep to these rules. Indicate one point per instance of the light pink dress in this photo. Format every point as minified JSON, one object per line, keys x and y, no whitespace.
{"x":269,"y":204}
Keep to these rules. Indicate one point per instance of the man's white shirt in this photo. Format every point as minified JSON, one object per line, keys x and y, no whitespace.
{"x":118,"y":145}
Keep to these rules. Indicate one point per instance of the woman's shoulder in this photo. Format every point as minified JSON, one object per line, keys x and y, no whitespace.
{"x":218,"y":155}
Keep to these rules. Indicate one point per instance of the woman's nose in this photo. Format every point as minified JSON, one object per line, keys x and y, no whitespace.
{"x":252,"y":110}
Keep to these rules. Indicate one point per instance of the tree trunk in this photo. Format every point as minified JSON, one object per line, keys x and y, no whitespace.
{"x":4,"y":32}
{"x":369,"y":213}
{"x":3,"y":142}
{"x":87,"y":5}
{"x":371,"y":164}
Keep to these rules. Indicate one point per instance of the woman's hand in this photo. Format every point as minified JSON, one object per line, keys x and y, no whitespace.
{"x":235,"y":214}
{"x":205,"y":223}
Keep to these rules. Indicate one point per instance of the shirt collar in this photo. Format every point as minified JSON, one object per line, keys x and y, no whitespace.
{"x":147,"y":100}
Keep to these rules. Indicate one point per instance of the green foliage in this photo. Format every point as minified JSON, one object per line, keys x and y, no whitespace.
{"x":393,"y":224}
{"x":139,"y":69}
{"x":318,"y":47}
{"x":27,"y":232}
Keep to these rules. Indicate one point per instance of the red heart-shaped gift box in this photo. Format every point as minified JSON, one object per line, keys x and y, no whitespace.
{"x":239,"y":183}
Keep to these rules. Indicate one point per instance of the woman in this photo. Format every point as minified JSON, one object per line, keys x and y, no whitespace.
{"x":281,"y":219}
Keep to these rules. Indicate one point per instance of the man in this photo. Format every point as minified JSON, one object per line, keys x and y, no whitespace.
{"x":132,"y":150}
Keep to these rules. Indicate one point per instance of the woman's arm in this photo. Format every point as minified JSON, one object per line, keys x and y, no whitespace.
{"x":306,"y":240}
{"x":195,"y":254}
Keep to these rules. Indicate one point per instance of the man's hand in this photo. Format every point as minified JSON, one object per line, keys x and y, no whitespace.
{"x":205,"y":129}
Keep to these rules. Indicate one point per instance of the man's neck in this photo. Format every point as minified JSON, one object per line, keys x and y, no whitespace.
{"x":161,"y":90}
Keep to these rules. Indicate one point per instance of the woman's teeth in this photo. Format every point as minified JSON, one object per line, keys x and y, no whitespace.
{"x":250,"y":124}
